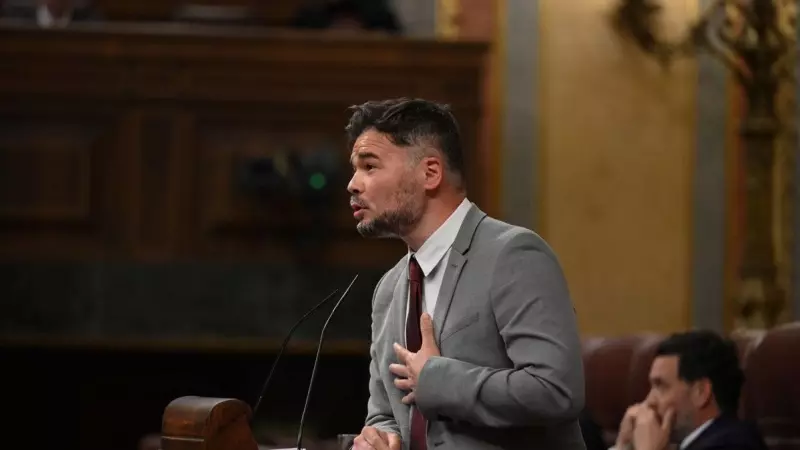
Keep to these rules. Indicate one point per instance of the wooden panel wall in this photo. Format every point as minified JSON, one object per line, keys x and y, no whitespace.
{"x":126,"y":142}
{"x":127,"y":235}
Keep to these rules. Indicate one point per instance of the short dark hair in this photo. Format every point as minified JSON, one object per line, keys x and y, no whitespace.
{"x":409,"y":122}
{"x":705,"y":354}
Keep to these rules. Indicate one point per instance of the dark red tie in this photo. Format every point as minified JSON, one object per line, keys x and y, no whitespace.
{"x":414,"y":342}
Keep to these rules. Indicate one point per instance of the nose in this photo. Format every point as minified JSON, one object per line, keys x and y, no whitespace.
{"x":354,"y":186}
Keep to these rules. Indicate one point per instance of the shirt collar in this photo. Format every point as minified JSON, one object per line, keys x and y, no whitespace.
{"x":694,"y":434}
{"x":436,"y":246}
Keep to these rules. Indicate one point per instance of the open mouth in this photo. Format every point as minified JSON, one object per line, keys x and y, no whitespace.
{"x":357,"y":210}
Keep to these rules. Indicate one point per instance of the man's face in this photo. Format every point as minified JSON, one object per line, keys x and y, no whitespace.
{"x":668,"y":391}
{"x":387,"y":192}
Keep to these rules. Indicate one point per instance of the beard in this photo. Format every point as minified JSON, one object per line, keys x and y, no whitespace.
{"x":396,"y":222}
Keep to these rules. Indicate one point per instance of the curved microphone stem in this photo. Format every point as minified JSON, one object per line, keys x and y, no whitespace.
{"x":316,"y":360}
{"x":283,"y":348}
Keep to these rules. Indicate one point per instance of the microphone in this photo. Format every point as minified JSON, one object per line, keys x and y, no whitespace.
{"x":316,"y":360}
{"x":284,"y":345}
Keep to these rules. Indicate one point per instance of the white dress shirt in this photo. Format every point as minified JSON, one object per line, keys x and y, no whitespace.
{"x":694,"y":434}
{"x":435,"y":250}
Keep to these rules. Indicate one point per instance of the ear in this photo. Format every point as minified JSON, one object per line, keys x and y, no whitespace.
{"x":433,"y":172}
{"x":702,"y":393}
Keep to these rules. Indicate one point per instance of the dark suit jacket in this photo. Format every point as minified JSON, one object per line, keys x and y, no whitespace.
{"x":729,"y":433}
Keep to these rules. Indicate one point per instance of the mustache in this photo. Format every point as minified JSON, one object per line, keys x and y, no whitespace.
{"x":354,"y":201}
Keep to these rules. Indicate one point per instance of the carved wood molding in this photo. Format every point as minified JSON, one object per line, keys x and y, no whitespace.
{"x":183,"y":106}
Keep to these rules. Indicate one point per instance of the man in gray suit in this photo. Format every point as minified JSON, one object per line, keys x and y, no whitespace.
{"x":474,"y":338}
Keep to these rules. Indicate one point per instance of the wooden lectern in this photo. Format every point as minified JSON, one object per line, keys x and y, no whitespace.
{"x":205,"y":423}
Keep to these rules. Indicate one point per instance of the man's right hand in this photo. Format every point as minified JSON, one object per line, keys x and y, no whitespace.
{"x":372,"y":438}
{"x":625,"y":436}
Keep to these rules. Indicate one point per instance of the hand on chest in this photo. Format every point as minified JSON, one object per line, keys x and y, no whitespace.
{"x":463,"y":323}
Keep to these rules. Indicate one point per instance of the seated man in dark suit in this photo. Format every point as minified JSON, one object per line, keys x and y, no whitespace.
{"x":695,"y":382}
{"x":49,"y":13}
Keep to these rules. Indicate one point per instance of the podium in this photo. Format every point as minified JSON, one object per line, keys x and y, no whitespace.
{"x":207,"y":423}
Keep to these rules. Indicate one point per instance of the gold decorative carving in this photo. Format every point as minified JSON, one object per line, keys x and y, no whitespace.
{"x":756,"y":39}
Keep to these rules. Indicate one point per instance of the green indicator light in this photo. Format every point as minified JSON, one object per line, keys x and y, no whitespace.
{"x":317,"y":181}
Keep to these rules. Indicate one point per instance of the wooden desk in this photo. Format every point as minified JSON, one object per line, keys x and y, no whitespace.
{"x":121,"y":141}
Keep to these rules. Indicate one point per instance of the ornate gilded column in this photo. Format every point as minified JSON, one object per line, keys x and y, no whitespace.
{"x":756,"y":39}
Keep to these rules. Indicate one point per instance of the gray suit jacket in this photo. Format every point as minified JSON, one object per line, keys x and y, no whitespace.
{"x":511,"y":374}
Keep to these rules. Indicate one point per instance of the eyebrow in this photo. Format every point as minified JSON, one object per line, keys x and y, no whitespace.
{"x":363,"y":155}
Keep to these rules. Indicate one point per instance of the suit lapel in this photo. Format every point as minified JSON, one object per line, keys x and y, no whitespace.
{"x":451,"y":274}
{"x":398,"y":315}
{"x":708,"y":436}
{"x":399,"y":304}
{"x":455,"y":264}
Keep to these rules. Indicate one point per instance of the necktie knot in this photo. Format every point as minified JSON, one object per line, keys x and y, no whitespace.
{"x":414,"y":271}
